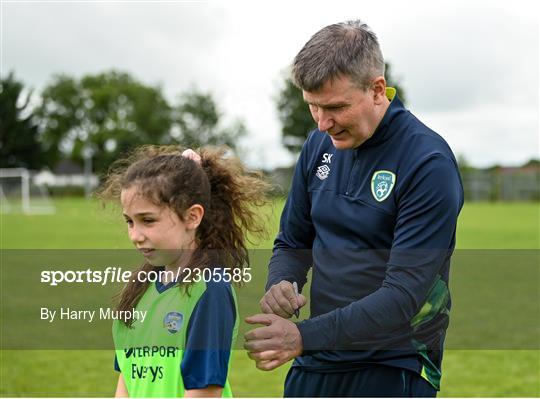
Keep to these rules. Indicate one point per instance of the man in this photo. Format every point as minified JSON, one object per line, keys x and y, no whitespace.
{"x":373,"y":209}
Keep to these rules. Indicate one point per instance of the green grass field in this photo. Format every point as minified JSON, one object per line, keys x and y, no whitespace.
{"x":81,"y":224}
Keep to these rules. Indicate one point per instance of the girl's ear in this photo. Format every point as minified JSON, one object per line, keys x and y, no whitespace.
{"x":193,"y":216}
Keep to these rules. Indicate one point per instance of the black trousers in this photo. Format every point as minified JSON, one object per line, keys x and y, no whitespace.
{"x":370,"y":381}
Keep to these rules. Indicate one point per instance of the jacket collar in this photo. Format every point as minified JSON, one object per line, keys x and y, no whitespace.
{"x":383,"y":132}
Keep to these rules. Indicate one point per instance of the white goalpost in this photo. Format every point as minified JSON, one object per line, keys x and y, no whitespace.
{"x":20,"y":194}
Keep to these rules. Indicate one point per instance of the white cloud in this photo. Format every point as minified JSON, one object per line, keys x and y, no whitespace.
{"x":483,"y":133}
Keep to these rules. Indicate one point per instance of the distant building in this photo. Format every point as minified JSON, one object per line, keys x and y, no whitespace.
{"x":65,"y":174}
{"x":500,"y":183}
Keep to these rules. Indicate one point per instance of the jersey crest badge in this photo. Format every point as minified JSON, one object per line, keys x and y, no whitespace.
{"x":382,"y":183}
{"x":322,"y":172}
{"x":173,"y":322}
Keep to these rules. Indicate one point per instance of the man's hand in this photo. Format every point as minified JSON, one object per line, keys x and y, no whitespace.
{"x":274,"y":344}
{"x":281,"y":300}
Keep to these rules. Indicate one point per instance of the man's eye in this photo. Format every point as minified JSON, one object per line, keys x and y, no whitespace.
{"x":148,"y":221}
{"x":129,"y":222}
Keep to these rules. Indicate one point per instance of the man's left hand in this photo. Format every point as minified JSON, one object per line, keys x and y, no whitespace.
{"x":274,"y":344}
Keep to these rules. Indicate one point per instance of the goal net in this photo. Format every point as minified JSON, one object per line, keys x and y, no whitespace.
{"x":19,"y":193}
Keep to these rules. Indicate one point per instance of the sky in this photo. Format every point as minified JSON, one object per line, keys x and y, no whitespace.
{"x":469,"y":68}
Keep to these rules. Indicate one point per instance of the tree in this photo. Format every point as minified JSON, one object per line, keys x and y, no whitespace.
{"x":294,"y":115}
{"x":533,"y":162}
{"x":19,"y":144}
{"x":392,"y":81}
{"x":102,"y":115}
{"x":464,"y":165}
{"x":199,"y":122}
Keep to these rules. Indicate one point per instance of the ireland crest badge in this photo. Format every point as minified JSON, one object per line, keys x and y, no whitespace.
{"x":382,"y":183}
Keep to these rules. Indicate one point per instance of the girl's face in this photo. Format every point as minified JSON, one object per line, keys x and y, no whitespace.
{"x":157,"y":231}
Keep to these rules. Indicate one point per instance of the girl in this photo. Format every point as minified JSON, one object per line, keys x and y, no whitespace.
{"x":187,"y":215}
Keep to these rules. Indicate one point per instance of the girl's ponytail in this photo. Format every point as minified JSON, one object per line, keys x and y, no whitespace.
{"x":235,"y":195}
{"x":228,"y":192}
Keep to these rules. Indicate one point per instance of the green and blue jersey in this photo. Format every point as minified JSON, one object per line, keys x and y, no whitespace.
{"x":185,"y":341}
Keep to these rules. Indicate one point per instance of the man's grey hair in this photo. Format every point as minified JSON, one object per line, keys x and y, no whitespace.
{"x":347,"y":48}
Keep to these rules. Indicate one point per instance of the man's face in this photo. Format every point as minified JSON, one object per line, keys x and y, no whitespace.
{"x":345,"y":112}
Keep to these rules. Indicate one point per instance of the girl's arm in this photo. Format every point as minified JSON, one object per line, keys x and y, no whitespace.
{"x":121,"y":390}
{"x":211,"y":391}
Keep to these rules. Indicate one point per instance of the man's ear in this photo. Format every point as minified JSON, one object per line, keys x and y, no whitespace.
{"x":193,"y":216}
{"x":379,"y":89}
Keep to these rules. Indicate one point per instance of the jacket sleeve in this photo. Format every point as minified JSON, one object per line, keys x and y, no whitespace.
{"x":291,"y":258}
{"x":424,"y":237}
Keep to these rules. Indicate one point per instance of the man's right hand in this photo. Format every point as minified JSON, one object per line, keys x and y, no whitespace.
{"x":281,"y":300}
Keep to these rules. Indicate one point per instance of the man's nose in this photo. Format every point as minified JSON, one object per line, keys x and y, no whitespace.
{"x":324,"y":121}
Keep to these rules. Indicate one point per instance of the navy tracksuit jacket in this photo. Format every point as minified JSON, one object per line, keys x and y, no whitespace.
{"x":377,"y":225}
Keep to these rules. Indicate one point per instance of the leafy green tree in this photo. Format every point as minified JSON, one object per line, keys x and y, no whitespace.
{"x":393,"y":81}
{"x":464,"y":165}
{"x":199,"y":122}
{"x":19,"y":144}
{"x":294,"y":115}
{"x":532,"y":162}
{"x":101,"y":115}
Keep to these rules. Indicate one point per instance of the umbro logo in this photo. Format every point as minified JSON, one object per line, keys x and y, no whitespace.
{"x":323,"y":172}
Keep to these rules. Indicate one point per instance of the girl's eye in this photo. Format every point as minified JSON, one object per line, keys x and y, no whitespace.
{"x":148,"y":221}
{"x":129,"y":223}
